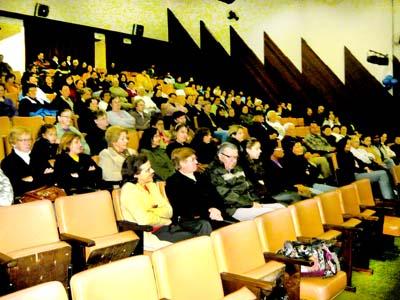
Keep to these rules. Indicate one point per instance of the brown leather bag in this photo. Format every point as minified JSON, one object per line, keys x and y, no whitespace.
{"x":45,"y":192}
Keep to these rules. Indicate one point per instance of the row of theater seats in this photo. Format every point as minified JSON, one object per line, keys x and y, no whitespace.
{"x":244,"y":251}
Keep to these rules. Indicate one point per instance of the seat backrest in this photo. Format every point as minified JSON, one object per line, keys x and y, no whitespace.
{"x":330,"y":207}
{"x":237,"y":247}
{"x":2,"y":149}
{"x":187,"y":270}
{"x":88,"y":215}
{"x":306,"y":218}
{"x":5,"y":125}
{"x":364,"y":188}
{"x":395,"y":170}
{"x":350,"y":199}
{"x":52,"y":290}
{"x":49,"y":119}
{"x":116,"y":198}
{"x":133,"y":137}
{"x":27,"y":225}
{"x":129,"y":278}
{"x":274,"y":228}
{"x":33,"y":123}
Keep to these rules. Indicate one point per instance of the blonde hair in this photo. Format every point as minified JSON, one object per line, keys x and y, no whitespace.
{"x":16,"y":132}
{"x":233,"y":129}
{"x":113,"y":133}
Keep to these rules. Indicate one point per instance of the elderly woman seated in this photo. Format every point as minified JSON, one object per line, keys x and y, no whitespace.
{"x":112,"y":158}
{"x":118,"y":116}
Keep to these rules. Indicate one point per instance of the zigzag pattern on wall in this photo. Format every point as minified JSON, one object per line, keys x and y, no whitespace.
{"x":277,"y":79}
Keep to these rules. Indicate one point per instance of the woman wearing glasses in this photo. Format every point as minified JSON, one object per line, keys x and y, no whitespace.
{"x":18,"y":166}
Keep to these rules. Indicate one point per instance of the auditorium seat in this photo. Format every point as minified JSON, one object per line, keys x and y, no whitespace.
{"x":238,"y":250}
{"x":29,"y":238}
{"x":33,"y":123}
{"x":87,"y":221}
{"x":188,"y":270}
{"x":52,"y":290}
{"x":128,"y":278}
{"x":272,"y":240}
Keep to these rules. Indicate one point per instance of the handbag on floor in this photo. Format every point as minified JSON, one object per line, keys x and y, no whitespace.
{"x":45,"y":192}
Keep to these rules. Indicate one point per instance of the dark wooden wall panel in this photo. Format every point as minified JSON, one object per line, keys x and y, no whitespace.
{"x":292,"y":85}
{"x":375,"y":109}
{"x":251,"y":72}
{"x":325,"y":84}
{"x":217,"y":62}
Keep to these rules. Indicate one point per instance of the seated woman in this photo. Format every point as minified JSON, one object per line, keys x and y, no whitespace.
{"x":143,"y":203}
{"x":18,"y":165}
{"x":44,"y":150}
{"x":180,"y":139}
{"x":75,"y":171}
{"x":142,"y":119}
{"x":112,"y":158}
{"x":118,"y":116}
{"x":197,"y":205}
{"x":150,"y":145}
{"x":203,"y":144}
{"x":158,"y":123}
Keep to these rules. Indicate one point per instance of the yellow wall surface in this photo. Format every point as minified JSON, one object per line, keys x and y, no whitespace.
{"x":326,"y":25}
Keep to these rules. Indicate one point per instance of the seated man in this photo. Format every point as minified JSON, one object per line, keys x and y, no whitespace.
{"x":231,"y":183}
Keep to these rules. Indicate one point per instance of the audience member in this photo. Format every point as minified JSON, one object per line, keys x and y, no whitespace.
{"x":180,"y":139}
{"x":112,"y":158}
{"x":75,"y":171}
{"x":204,"y":145}
{"x":142,"y":119}
{"x":7,"y":107}
{"x":118,"y":116}
{"x":96,"y":137}
{"x":228,"y":178}
{"x":150,"y":145}
{"x":143,"y":203}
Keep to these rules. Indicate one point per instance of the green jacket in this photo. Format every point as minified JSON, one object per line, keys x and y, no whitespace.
{"x":160,"y":162}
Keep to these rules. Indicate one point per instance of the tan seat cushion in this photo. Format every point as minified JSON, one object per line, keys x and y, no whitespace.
{"x":114,"y":239}
{"x":329,"y":235}
{"x":368,"y":213}
{"x":391,"y":226}
{"x":267,"y":272}
{"x":319,"y":288}
{"x":242,"y":294}
{"x":39,"y":249}
{"x":353,"y":222}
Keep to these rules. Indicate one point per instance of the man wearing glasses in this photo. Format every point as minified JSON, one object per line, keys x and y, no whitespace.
{"x":231,"y":183}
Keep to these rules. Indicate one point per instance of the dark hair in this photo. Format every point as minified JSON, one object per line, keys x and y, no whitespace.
{"x":104,"y":92}
{"x":43,"y":129}
{"x":131,"y":167}
{"x":26,"y":87}
{"x":199,"y":135}
{"x":155,"y":119}
{"x":147,"y":138}
{"x":63,"y":110}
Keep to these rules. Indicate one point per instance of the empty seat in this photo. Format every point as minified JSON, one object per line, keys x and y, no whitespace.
{"x":33,"y":123}
{"x":52,"y":290}
{"x":238,"y":250}
{"x":188,"y":270}
{"x":129,"y":278}
{"x":31,"y":239}
{"x":273,"y":240}
{"x":88,"y":222}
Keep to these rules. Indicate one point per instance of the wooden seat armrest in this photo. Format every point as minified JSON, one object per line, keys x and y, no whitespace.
{"x":9,"y":262}
{"x":287,"y":260}
{"x":306,"y":239}
{"x":369,"y":218}
{"x":127,"y":225}
{"x":342,"y":228}
{"x":81,"y":241}
{"x":247,"y":281}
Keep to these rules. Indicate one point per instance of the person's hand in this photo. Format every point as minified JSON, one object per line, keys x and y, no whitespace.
{"x":92,"y":168}
{"x":27,"y":179}
{"x":215,"y":214}
{"x":48,"y":171}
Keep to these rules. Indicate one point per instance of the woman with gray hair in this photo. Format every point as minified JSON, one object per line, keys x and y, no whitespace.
{"x":112,"y":158}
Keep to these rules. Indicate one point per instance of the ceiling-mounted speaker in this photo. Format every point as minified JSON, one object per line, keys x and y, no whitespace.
{"x":227,"y":1}
{"x":41,"y":10}
{"x":377,"y":58}
{"x":137,"y":30}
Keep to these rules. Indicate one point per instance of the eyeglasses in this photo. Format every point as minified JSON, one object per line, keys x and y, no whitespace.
{"x":68,"y":117}
{"x":24,"y":140}
{"x":230,"y":156}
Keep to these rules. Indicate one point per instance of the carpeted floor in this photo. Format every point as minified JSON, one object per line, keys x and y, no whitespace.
{"x":383,"y":284}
